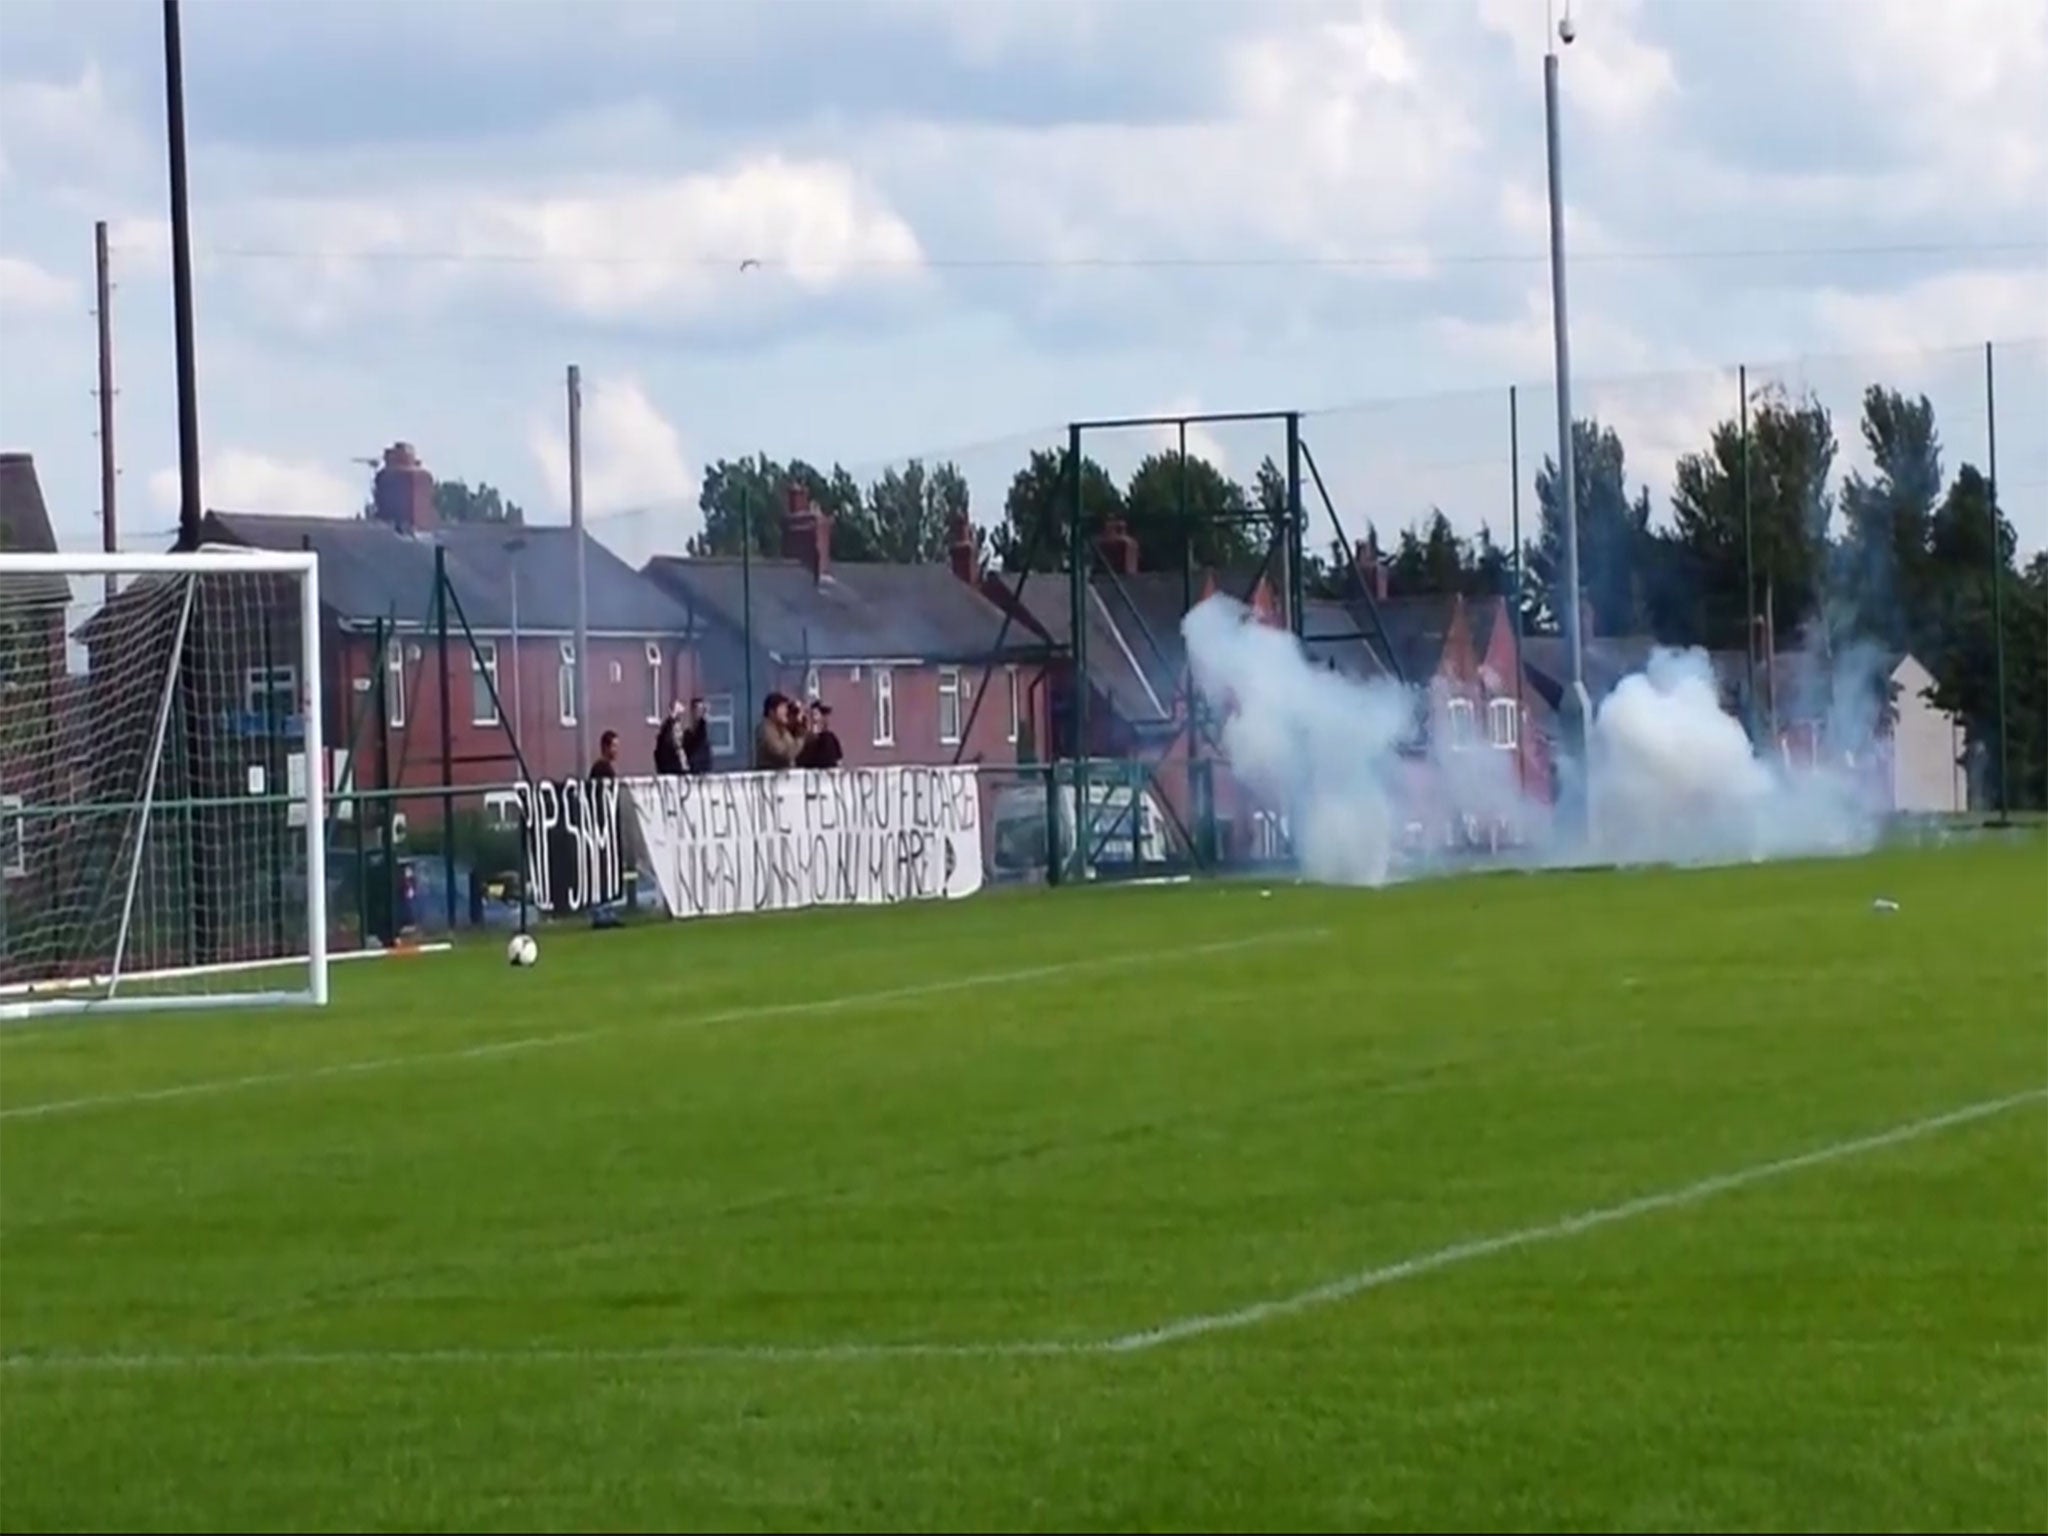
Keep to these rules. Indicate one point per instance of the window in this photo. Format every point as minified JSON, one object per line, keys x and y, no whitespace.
{"x":501,"y":809}
{"x":1016,"y":707}
{"x":1460,"y":711}
{"x":949,"y":705}
{"x":1501,"y":723}
{"x":718,"y":724}
{"x":618,"y":674}
{"x":13,"y":837}
{"x":565,"y":685}
{"x":811,"y":684}
{"x":483,"y":683}
{"x":655,"y":703}
{"x":885,"y":707}
{"x":394,"y":685}
{"x":272,"y":693}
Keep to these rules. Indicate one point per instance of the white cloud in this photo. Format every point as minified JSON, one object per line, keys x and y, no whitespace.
{"x":242,"y":480}
{"x":1617,"y":79}
{"x":29,"y":289}
{"x":62,"y":132}
{"x":644,"y":248}
{"x":632,"y":454}
{"x":1939,"y":311}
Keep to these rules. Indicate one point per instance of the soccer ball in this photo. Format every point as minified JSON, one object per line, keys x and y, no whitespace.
{"x":522,"y":951}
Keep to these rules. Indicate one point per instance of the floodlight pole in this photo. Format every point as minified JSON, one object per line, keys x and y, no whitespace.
{"x":1575,"y":706}
{"x":189,"y":513}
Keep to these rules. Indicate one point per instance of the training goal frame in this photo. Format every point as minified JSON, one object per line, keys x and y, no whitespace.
{"x":102,"y":991}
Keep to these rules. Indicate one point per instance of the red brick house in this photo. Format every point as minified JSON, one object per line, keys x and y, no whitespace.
{"x":913,"y":662}
{"x":33,"y":695}
{"x":510,"y":706}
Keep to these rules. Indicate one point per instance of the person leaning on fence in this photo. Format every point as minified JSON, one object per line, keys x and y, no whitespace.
{"x":774,"y":746}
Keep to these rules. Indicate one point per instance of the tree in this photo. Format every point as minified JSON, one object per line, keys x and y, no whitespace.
{"x":1614,"y":533}
{"x":1883,"y":576}
{"x":753,"y":493}
{"x":1791,"y":453}
{"x":910,"y":513}
{"x":1191,"y":513}
{"x":1963,"y":652}
{"x":1035,"y":512}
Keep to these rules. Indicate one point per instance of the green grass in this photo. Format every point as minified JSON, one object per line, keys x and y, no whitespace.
{"x":461,"y":1291}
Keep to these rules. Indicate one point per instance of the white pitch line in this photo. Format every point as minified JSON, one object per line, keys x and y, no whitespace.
{"x":1141,"y":1342}
{"x":214,"y":1086}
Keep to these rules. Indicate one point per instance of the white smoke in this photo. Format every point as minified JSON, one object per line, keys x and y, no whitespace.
{"x":1674,"y":777}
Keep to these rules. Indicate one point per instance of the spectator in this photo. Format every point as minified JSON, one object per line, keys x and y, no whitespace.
{"x":668,"y":746}
{"x":821,"y":746}
{"x":607,"y":764}
{"x":774,"y":746}
{"x":604,"y":775}
{"x":697,"y":739}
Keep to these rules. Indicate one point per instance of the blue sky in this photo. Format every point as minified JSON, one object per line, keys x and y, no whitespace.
{"x":973,"y":221}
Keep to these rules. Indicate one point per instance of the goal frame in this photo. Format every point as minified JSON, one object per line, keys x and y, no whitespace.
{"x":50,"y":1000}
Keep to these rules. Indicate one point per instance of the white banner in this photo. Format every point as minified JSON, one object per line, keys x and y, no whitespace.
{"x":766,"y":842}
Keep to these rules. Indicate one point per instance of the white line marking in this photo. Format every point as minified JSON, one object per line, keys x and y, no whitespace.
{"x":1143,"y":1341}
{"x":704,"y":1021}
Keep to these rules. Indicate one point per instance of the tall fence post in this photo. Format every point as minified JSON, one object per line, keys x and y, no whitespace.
{"x":1997,"y":585}
{"x":447,"y":732}
{"x":1077,"y":579}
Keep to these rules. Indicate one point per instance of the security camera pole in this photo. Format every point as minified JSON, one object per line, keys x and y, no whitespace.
{"x":1575,"y":707}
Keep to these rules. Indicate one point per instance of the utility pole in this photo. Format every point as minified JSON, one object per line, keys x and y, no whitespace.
{"x":1576,"y":707}
{"x":110,"y":534}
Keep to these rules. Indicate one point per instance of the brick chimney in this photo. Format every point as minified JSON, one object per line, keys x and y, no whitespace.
{"x":403,"y":492}
{"x":1369,"y":567}
{"x":1119,"y":549}
{"x":807,"y":533}
{"x":961,"y":552}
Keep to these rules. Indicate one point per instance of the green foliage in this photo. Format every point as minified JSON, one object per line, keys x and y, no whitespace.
{"x":1614,"y":535}
{"x":456,"y":501}
{"x":1035,"y":512}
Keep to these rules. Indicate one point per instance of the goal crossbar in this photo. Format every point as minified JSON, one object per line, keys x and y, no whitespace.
{"x":58,"y":994}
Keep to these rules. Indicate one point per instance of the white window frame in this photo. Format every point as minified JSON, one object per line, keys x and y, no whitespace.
{"x":1016,"y":706}
{"x":260,"y":683}
{"x":1460,"y":713}
{"x":719,"y":725}
{"x":656,"y":710}
{"x":394,"y":684}
{"x":501,"y":809}
{"x":565,"y":682}
{"x":885,"y":707}
{"x":949,"y":694}
{"x":1497,"y":711}
{"x":483,"y":705}
{"x":14,"y":847}
{"x":811,"y":690}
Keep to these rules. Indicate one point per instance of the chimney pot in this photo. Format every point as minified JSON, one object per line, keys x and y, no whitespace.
{"x":807,"y":533}
{"x":1119,"y":548}
{"x":403,"y":492}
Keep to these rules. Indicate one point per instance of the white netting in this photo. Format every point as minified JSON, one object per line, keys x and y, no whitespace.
{"x":153,"y":787}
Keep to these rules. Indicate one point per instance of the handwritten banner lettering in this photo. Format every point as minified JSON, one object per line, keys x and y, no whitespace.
{"x":765,"y":842}
{"x":574,"y":857}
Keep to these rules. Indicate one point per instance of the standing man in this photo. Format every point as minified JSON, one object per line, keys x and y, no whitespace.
{"x":697,"y":739}
{"x":601,"y":798}
{"x":821,"y":747}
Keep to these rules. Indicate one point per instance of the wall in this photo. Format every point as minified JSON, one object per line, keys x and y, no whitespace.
{"x":1926,"y":777}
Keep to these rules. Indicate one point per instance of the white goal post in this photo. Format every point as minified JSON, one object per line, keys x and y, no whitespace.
{"x":163,"y":803}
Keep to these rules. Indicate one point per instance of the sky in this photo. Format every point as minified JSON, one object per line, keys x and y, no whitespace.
{"x":861,"y":230}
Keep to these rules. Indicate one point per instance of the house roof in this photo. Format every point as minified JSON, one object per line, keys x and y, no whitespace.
{"x":1546,"y":664}
{"x":25,"y":525}
{"x":859,"y":611}
{"x":370,"y":571}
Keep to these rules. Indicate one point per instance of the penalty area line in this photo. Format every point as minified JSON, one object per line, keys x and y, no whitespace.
{"x":751,"y":1014}
{"x":1143,"y":1341}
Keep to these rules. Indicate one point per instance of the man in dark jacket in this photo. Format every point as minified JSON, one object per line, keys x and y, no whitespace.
{"x":697,"y":739}
{"x":821,"y":747}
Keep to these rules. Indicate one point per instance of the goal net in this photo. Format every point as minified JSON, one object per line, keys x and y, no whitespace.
{"x":161,"y":782}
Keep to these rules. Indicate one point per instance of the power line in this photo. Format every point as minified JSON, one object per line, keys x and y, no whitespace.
{"x":1386,"y":260}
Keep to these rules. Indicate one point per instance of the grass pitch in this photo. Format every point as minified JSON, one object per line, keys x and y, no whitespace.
{"x":1464,"y":1205}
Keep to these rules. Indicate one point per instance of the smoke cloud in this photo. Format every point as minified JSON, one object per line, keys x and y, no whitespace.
{"x":1366,"y":785}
